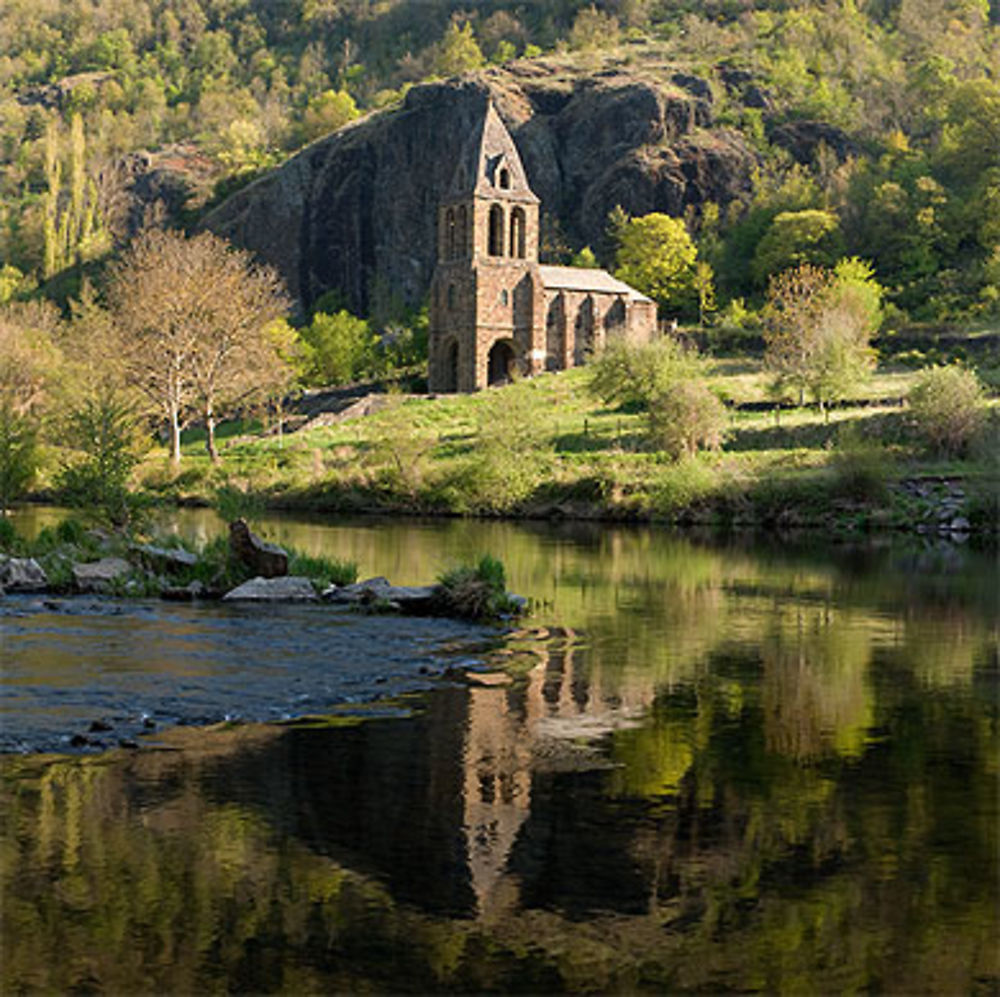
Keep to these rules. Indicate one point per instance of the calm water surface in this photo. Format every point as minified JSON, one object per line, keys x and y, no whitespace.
{"x":714,"y":766}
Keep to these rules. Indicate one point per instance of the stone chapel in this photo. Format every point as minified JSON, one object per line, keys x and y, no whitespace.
{"x":494,"y":308}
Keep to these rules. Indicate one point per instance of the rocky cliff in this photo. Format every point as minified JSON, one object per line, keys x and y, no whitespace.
{"x":356,"y":211}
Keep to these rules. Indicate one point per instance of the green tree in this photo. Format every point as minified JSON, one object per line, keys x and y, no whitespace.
{"x":796,"y":237}
{"x":340,"y":348}
{"x":592,"y":28}
{"x":818,"y":326}
{"x":29,"y":366}
{"x":656,"y":256}
{"x":326,"y":112}
{"x":458,"y":51}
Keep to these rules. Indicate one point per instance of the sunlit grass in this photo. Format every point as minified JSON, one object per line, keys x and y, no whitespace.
{"x":547,"y":440}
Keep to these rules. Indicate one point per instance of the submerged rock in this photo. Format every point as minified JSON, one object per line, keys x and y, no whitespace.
{"x":185,"y":593}
{"x":22,"y":574}
{"x":98,"y":576}
{"x":288,"y":588}
{"x":264,"y":559}
{"x":417,"y":600}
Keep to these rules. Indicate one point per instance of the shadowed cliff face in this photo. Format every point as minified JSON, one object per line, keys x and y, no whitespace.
{"x":356,"y":211}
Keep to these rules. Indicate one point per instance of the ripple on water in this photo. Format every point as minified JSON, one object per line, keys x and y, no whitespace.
{"x":68,"y":662}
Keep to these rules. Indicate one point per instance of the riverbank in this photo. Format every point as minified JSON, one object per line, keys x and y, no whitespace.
{"x":544,"y":448}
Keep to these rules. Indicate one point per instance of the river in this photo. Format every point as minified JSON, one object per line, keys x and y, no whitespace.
{"x":703,"y":765}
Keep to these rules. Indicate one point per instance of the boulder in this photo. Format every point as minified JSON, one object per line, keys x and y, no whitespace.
{"x":416,"y":600}
{"x":184,"y":593}
{"x":169,"y":559}
{"x":287,"y":588}
{"x":22,"y":574}
{"x":264,"y":559}
{"x":97,"y":576}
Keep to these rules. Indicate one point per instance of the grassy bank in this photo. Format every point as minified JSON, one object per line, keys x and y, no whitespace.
{"x":545,"y":447}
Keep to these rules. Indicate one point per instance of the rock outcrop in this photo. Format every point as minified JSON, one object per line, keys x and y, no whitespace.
{"x":22,"y":574}
{"x":259,"y":556}
{"x":100,"y":576}
{"x":356,"y":211}
{"x":287,"y":588}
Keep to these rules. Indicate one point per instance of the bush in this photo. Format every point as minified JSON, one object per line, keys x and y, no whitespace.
{"x":625,"y":374}
{"x":108,"y":437}
{"x":947,"y":406}
{"x":685,"y":418}
{"x":477,"y":592}
{"x":18,"y":455}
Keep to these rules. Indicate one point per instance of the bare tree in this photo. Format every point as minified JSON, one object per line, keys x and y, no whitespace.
{"x":195,"y":315}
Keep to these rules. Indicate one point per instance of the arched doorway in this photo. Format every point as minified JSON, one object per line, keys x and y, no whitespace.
{"x":500,"y":363}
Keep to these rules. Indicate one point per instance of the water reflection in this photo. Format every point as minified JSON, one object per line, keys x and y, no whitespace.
{"x":714,"y":768}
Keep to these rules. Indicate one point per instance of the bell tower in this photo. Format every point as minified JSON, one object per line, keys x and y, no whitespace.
{"x":486,"y":294}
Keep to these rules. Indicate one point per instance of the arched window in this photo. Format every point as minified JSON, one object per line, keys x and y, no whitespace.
{"x":517,"y":233}
{"x":505,"y":179}
{"x":451,"y":297}
{"x":462,"y":232}
{"x":495,"y":247}
{"x":449,"y":237}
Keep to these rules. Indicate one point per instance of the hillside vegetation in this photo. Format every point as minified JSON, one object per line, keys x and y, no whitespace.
{"x":884,"y":116}
{"x":862,"y":225}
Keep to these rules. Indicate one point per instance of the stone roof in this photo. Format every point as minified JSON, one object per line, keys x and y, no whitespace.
{"x":586,"y":279}
{"x":488,"y":150}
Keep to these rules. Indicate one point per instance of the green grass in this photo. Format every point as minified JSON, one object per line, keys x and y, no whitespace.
{"x":544,"y":445}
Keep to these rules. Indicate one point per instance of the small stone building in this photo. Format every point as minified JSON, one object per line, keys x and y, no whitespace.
{"x":494,"y":308}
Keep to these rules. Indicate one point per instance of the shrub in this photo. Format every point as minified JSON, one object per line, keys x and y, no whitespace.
{"x":947,"y":406}
{"x":685,"y":418}
{"x":18,"y":455}
{"x":477,"y":592}
{"x":107,"y":434}
{"x":625,"y":374}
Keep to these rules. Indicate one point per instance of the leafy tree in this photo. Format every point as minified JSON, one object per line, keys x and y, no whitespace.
{"x":29,"y":363}
{"x":704,"y":286}
{"x":194,"y":316}
{"x":341,"y":348}
{"x":818,"y":326}
{"x":795,"y":237}
{"x":656,"y":256}
{"x":592,"y":28}
{"x":585,"y":259}
{"x":458,"y":51}
{"x":328,"y":111}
